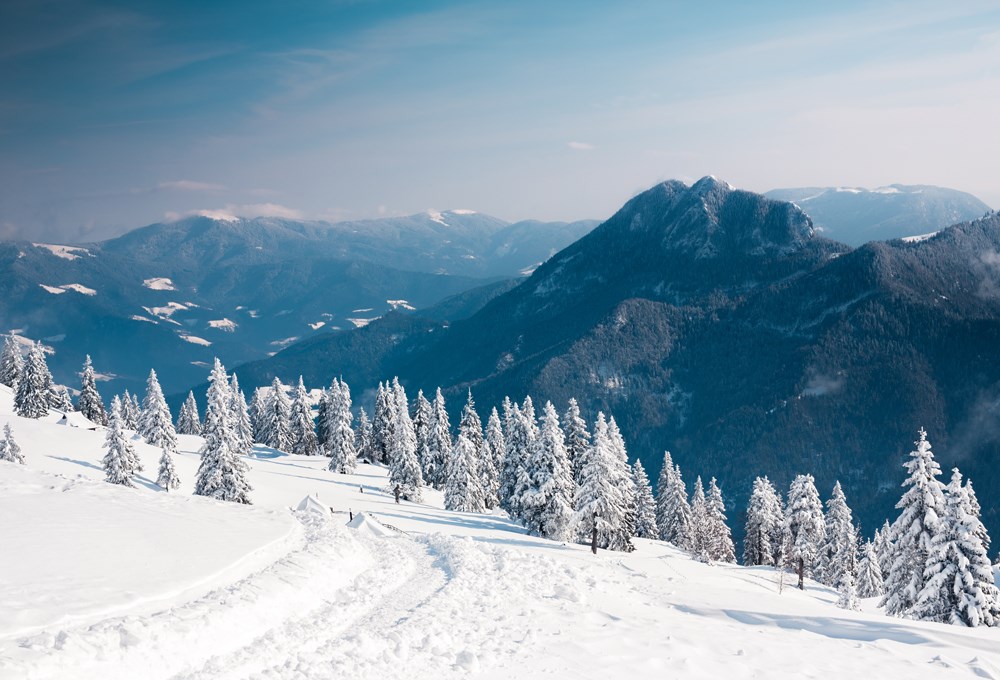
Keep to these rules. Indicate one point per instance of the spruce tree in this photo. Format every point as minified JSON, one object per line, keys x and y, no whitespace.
{"x":363,"y":437}
{"x":645,"y":516}
{"x":515,"y":454}
{"x":623,"y":472}
{"x":438,"y":445}
{"x":120,"y":461}
{"x":9,"y":450}
{"x":922,"y":506}
{"x":258,"y":413}
{"x":463,"y":490}
{"x":242,"y":426}
{"x":11,"y":363}
{"x":341,"y":448}
{"x":839,"y":553}
{"x":471,"y":426}
{"x":166,"y":477}
{"x":188,"y":421}
{"x":89,"y":402}
{"x":495,"y":453}
{"x":958,"y":577}
{"x":577,"y":437}
{"x":848,"y":593}
{"x":383,"y":422}
{"x":546,"y":485}
{"x":222,"y":473}
{"x":422,"y":416}
{"x":404,"y":468}
{"x":301,"y":430}
{"x":134,"y":410}
{"x":156,"y":425}
{"x":884,"y":548}
{"x":699,"y":544}
{"x":600,"y":502}
{"x":322,"y":418}
{"x":60,"y":400}
{"x":31,"y":399}
{"x":805,"y":527}
{"x":719,"y":537}
{"x":765,"y":525}
{"x":276,"y":415}
{"x":130,"y":415}
{"x":673,"y":512}
{"x":869,"y":581}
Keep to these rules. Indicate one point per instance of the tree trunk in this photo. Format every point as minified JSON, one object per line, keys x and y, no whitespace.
{"x":593,"y":536}
{"x":802,"y":568}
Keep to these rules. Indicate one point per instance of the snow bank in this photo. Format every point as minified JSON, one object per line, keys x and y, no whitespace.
{"x":63,"y":252}
{"x":159,"y":283}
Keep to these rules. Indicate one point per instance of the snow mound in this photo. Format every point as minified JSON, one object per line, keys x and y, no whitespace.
{"x":396,"y":304}
{"x":195,"y":340}
{"x":311,"y":504}
{"x":76,"y":287}
{"x":159,"y":283}
{"x":63,"y":252}
{"x":921,"y":237}
{"x":227,"y":325}
{"x":369,"y":525}
{"x":361,"y":323}
{"x":52,"y":289}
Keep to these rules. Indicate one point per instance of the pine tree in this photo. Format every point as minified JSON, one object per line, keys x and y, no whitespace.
{"x":645,"y":516}
{"x":546,"y":485}
{"x":423,"y":413}
{"x":89,"y":402}
{"x":884,"y":548}
{"x":120,"y":460}
{"x":242,"y":426}
{"x":134,"y":410}
{"x":167,"y":478}
{"x":805,"y":527}
{"x":188,"y":421}
{"x":363,"y":437}
{"x":31,"y":399}
{"x":404,"y":468}
{"x":156,"y":425}
{"x":765,"y":525}
{"x":438,"y":445}
{"x":673,"y":512}
{"x":471,"y":426}
{"x":258,"y":414}
{"x":9,"y":450}
{"x":383,"y":422}
{"x":11,"y":363}
{"x":577,"y":437}
{"x":493,"y":461}
{"x":515,"y":455}
{"x":719,"y":537}
{"x":600,"y":503}
{"x":60,"y":400}
{"x":222,"y":472}
{"x":275,"y":418}
{"x":912,"y":533}
{"x":699,"y":541}
{"x":130,"y":415}
{"x":623,"y":473}
{"x":848,"y":593}
{"x":463,"y":491}
{"x":870,"y":582}
{"x":322,"y":418}
{"x":301,"y":430}
{"x":839,"y":553}
{"x":958,"y":577}
{"x":341,"y":449}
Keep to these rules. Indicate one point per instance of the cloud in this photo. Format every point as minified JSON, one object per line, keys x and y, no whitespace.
{"x":232,"y":212}
{"x":823,"y":383}
{"x":189,"y":185}
{"x":580,"y":146}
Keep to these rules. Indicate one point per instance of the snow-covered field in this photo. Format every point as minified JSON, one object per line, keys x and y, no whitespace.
{"x":98,"y":581}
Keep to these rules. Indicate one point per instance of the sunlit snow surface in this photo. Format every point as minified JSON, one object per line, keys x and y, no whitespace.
{"x":108,"y":582}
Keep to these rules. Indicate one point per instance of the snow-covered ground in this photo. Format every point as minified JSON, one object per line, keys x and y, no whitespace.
{"x":99,"y":581}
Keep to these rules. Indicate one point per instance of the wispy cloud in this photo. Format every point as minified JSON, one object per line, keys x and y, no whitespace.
{"x":580,"y":146}
{"x":189,"y":185}
{"x":233,"y":212}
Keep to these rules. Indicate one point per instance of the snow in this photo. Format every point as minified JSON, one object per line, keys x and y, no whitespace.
{"x":461,"y":211}
{"x":204,"y":589}
{"x":195,"y":340}
{"x":166,"y":311}
{"x":53,"y":289}
{"x":159,"y":283}
{"x":317,"y":325}
{"x":284,"y":342}
{"x":396,"y":304}
{"x":361,"y":323}
{"x":362,"y":311}
{"x":437,"y":217}
{"x":226,"y":325}
{"x":64,"y":252}
{"x":921,"y":237}
{"x":76,"y":287}
{"x":136,"y":317}
{"x":886,"y":190}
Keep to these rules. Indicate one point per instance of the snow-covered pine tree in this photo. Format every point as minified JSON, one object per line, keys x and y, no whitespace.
{"x":577,"y":437}
{"x":624,"y":472}
{"x":134,"y":410}
{"x":869,"y":579}
{"x":11,"y":363}
{"x":404,"y":468}
{"x":805,"y":527}
{"x":242,"y":426}
{"x":89,"y":403}
{"x":9,"y":450}
{"x":884,"y":548}
{"x":301,"y":430}
{"x":495,"y":453}
{"x":911,"y":535}
{"x":645,"y":514}
{"x":422,"y":415}
{"x":839,"y":553}
{"x":462,"y":490}
{"x":156,"y":425}
{"x":973,"y":508}
{"x":222,"y":473}
{"x":322,"y":418}
{"x":438,"y":446}
{"x":60,"y":400}
{"x":471,"y":426}
{"x":383,"y":421}
{"x":258,"y":411}
{"x":848,"y":593}
{"x":188,"y":421}
{"x":958,"y":577}
{"x":166,"y":477}
{"x":363,"y":437}
{"x":673,"y":512}
{"x":764,"y":527}
{"x":120,"y":461}
{"x":31,"y":398}
{"x":342,"y":452}
{"x":599,"y":501}
{"x":720,"y":538}
{"x":699,"y":543}
{"x":130,"y":413}
{"x":515,"y":454}
{"x":546,"y":485}
{"x":277,"y":413}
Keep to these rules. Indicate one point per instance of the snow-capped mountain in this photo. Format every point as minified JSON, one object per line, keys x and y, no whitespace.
{"x":855,"y":215}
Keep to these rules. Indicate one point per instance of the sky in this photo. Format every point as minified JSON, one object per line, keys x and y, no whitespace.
{"x":114,"y":115}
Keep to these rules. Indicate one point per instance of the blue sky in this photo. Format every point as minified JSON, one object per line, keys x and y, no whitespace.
{"x":119,"y":114}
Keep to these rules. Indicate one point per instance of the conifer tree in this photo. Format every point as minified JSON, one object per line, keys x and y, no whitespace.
{"x":258,"y":414}
{"x":275,"y":419}
{"x":301,"y":430}
{"x":11,"y":363}
{"x":719,"y":537}
{"x":495,"y":453}
{"x":166,"y":477}
{"x":884,"y":548}
{"x":363,"y":437}
{"x":577,"y":437}
{"x":848,"y":593}
{"x":188,"y":421}
{"x":922,"y":507}
{"x":600,"y":503}
{"x":222,"y":472}
{"x":31,"y":399}
{"x":623,"y":473}
{"x":242,"y":426}
{"x":673,"y":512}
{"x":515,"y":454}
{"x":341,"y":445}
{"x":9,"y":450}
{"x":130,"y":413}
{"x":645,"y":516}
{"x":422,"y":416}
{"x":699,"y":541}
{"x":805,"y":527}
{"x":463,"y":490}
{"x":322,"y":418}
{"x":546,"y":485}
{"x":156,"y":425}
{"x":958,"y":577}
{"x":839,"y":553}
{"x":120,"y":460}
{"x":870,"y":582}
{"x":765,"y":525}
{"x":89,"y":402}
{"x":134,"y":410}
{"x":60,"y":400}
{"x":404,"y":468}
{"x":438,"y":446}
{"x":472,"y":427}
{"x":383,"y":421}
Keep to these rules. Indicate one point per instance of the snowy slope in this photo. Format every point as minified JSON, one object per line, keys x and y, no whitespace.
{"x":211,"y":590}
